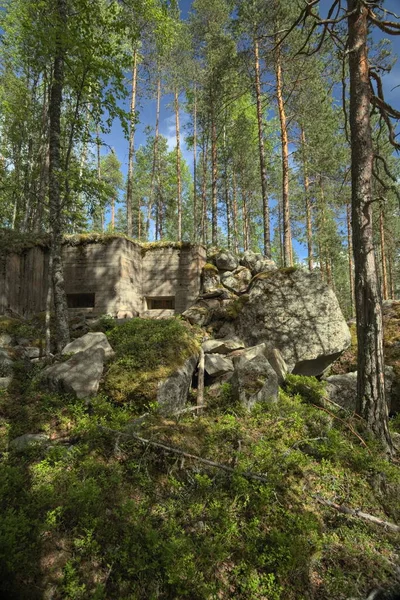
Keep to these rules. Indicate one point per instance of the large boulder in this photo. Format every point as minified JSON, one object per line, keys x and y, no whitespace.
{"x":28,"y":441}
{"x":173,"y":392}
{"x":226,"y":260}
{"x":90,"y":341}
{"x":294,"y":311}
{"x":5,"y":382}
{"x":342,"y":389}
{"x":6,"y":363}
{"x":79,"y":375}
{"x":211,"y":280}
{"x":254,"y":380}
{"x":236,"y":281}
{"x":222,"y":346}
{"x":217,"y":364}
{"x":257,"y":263}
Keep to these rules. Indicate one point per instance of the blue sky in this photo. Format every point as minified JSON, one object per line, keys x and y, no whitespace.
{"x":147,"y":107}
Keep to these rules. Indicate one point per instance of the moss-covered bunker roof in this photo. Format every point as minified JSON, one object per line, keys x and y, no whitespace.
{"x":13,"y":242}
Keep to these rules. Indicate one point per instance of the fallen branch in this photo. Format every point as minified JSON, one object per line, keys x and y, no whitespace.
{"x":358,"y":513}
{"x":204,"y":461}
{"x":345,"y":424}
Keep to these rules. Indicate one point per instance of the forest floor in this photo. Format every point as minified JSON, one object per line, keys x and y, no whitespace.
{"x":98,"y":514}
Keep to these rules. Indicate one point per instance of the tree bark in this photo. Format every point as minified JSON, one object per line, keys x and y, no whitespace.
{"x":214,"y":200}
{"x":371,"y":401}
{"x":383,"y":253}
{"x":235,"y":214}
{"x":195,"y":223}
{"x":350,"y":252}
{"x":55,"y":174}
{"x":204,"y":195}
{"x":178,"y":165}
{"x":309,"y":232}
{"x":154,"y":169}
{"x":263,"y":170}
{"x":287,"y":236}
{"x":129,"y":187}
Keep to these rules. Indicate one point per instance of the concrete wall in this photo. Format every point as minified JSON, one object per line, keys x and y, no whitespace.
{"x":173,"y":272}
{"x":120,"y":273}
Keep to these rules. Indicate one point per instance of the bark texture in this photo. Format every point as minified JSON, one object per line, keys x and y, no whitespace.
{"x":371,"y":401}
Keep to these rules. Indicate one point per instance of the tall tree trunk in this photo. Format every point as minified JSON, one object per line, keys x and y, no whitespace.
{"x":235,"y":214}
{"x":195,"y":216}
{"x":263,"y":170}
{"x":246,"y":232}
{"x":98,"y":146}
{"x":226,"y":190}
{"x":204,"y":195}
{"x":383,"y":253}
{"x":129,"y":186}
{"x":287,"y":236}
{"x":309,"y":232}
{"x":178,"y":164}
{"x":214,"y":201}
{"x":55,"y":173}
{"x":371,"y":401}
{"x":350,"y":252}
{"x":155,"y":168}
{"x":391,"y":277}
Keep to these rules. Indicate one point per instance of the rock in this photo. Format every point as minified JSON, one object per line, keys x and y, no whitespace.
{"x":5,"y":339}
{"x":90,"y":341}
{"x":277,"y":362}
{"x":211,"y":280}
{"x":5,"y":382}
{"x":226,"y":261}
{"x":238,"y":280}
{"x":173,"y":392}
{"x":254,"y":381}
{"x":28,"y":440}
{"x":80,"y":374}
{"x":295,"y":312}
{"x":263,"y":265}
{"x":342,"y":389}
{"x":217,"y":364}
{"x":197,"y":315}
{"x":221,"y":346}
{"x":6,"y":363}
{"x":31,"y":352}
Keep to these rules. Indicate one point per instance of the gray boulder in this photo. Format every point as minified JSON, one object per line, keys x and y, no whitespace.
{"x":342,"y":389}
{"x":221,"y":346}
{"x":90,"y":341}
{"x":197,"y":315}
{"x":173,"y":392}
{"x":217,"y":364}
{"x":211,"y":280}
{"x":5,"y":339}
{"x":237,"y":280}
{"x":31,"y":352}
{"x":226,"y":261}
{"x":28,"y":440}
{"x":254,"y":381}
{"x":79,"y":375}
{"x":295,"y":312}
{"x":5,"y":382}
{"x":257,"y":263}
{"x":6,"y":363}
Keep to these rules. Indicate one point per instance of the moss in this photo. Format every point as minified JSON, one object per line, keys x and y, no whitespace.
{"x":288,"y":270}
{"x":147,"y":351}
{"x":209,"y":268}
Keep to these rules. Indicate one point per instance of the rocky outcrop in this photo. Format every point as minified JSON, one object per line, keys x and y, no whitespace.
{"x":254,"y":381}
{"x":80,"y":375}
{"x":257,"y":263}
{"x":237,"y":281}
{"x":342,"y":389}
{"x":173,"y":392}
{"x":90,"y":341}
{"x":226,"y":261}
{"x":217,"y":364}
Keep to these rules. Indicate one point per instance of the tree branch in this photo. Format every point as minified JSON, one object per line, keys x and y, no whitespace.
{"x":358,"y":513}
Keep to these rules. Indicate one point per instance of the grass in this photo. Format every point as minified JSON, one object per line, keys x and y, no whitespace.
{"x":101,"y":516}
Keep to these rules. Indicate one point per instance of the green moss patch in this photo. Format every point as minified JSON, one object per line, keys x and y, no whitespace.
{"x":147,"y":351}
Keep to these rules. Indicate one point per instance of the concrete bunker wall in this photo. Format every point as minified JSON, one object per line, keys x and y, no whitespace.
{"x":172,"y":273}
{"x":118,"y":277}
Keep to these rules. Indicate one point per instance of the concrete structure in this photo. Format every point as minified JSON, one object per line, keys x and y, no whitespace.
{"x":108,"y":274}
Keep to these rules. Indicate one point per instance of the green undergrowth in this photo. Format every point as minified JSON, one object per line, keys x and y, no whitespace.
{"x":96,"y":514}
{"x":147,"y":351}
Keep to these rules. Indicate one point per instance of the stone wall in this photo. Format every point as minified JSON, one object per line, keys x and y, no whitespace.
{"x":120,"y":274}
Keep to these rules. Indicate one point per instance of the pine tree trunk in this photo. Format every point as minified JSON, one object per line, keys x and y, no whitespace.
{"x":204,"y":195}
{"x":195,"y":217}
{"x":287,"y":236}
{"x":129,"y":187}
{"x":214,"y":201}
{"x":350,"y":252}
{"x":263,"y":170}
{"x":371,"y":401}
{"x":308,"y":204}
{"x":226,"y":191}
{"x":391,"y":277}
{"x":383,"y":253}
{"x":235,"y":214}
{"x":246,"y":233}
{"x":55,"y":172}
{"x":98,"y":144}
{"x":178,"y":165}
{"x":154,"y":170}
